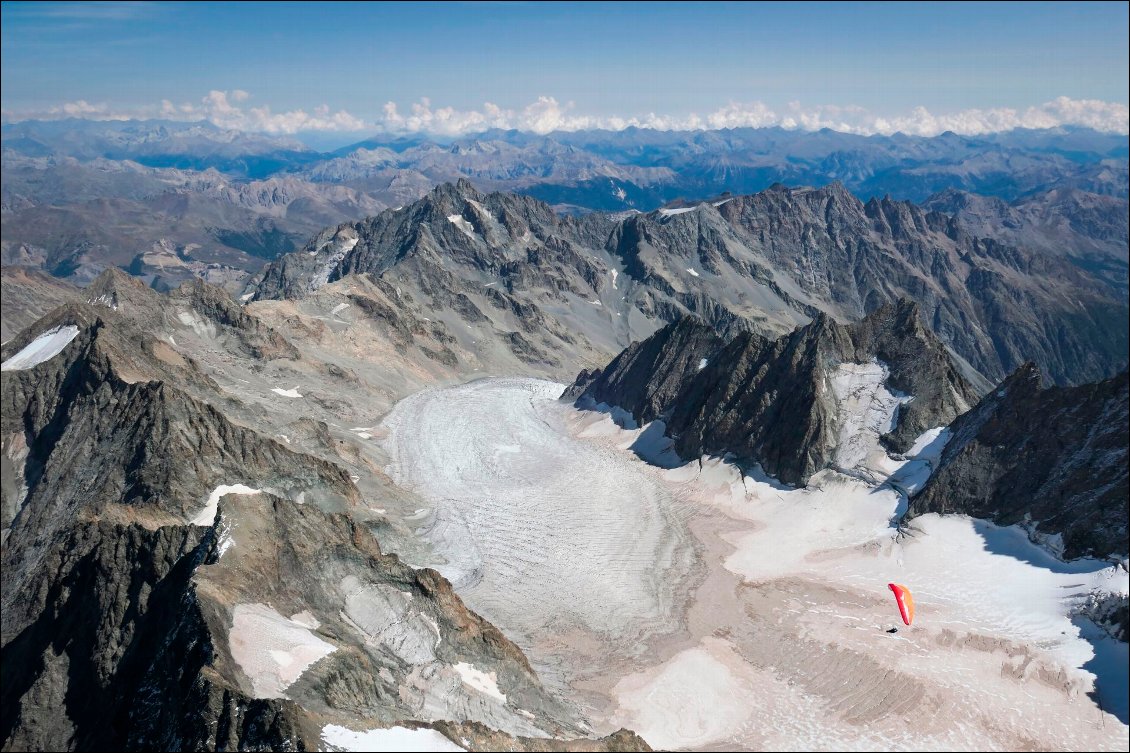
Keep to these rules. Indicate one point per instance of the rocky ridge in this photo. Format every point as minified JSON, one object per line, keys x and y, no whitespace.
{"x":763,"y":263}
{"x":1053,"y":459}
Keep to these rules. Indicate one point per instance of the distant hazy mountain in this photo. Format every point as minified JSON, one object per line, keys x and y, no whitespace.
{"x":74,"y":218}
{"x":158,"y":143}
{"x":241,"y":198}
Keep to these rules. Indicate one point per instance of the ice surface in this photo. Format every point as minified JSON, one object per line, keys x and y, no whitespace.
{"x":672,"y":212}
{"x":292,"y":392}
{"x":866,"y":410}
{"x":201,"y":326}
{"x":702,"y":364}
{"x":208,"y":515}
{"x":930,"y":445}
{"x":692,"y":272}
{"x":386,"y":617}
{"x":333,"y":251}
{"x":534,"y":527}
{"x":392,"y":739}
{"x":271,"y":650}
{"x":43,"y":348}
{"x":693,"y":700}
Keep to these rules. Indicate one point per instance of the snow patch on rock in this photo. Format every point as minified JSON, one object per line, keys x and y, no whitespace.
{"x":402,"y":739}
{"x":458,"y":221}
{"x":484,"y":682}
{"x":208,"y":515}
{"x":41,"y":349}
{"x":271,"y":650}
{"x":673,"y":212}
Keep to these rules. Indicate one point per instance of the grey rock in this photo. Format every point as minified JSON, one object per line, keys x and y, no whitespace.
{"x":1052,"y":458}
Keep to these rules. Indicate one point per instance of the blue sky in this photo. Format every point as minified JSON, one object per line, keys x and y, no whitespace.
{"x":594,"y":62}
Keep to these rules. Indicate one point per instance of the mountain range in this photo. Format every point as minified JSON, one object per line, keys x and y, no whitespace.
{"x":177,"y":200}
{"x":204,"y":541}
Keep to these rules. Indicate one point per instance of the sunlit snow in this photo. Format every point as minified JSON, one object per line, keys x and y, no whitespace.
{"x":574,"y":537}
{"x":386,"y":740}
{"x":206,"y":516}
{"x":271,"y":650}
{"x":43,"y":348}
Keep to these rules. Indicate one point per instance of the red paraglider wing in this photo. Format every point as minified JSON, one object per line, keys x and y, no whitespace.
{"x":905,"y":602}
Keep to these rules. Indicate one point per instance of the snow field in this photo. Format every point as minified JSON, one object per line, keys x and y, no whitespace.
{"x":393,"y":740}
{"x":271,"y":650}
{"x":208,"y":515}
{"x":43,"y":348}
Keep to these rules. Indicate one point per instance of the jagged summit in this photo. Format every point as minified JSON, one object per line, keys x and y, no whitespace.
{"x":764,"y":262}
{"x":775,"y":402}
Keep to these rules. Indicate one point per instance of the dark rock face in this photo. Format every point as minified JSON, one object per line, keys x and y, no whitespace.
{"x":1055,"y":456}
{"x":648,"y":376}
{"x":771,"y":402}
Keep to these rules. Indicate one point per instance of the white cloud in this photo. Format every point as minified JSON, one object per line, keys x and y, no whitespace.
{"x":547,"y":114}
{"x":221,"y":108}
{"x":227,"y":109}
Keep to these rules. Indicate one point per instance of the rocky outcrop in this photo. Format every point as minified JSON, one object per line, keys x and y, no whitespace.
{"x":1054,"y":460}
{"x":196,"y":304}
{"x":774,"y":402}
{"x":26,"y":294}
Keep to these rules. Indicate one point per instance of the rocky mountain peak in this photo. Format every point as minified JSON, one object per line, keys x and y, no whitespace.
{"x":1052,"y":459}
{"x":778,"y":403}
